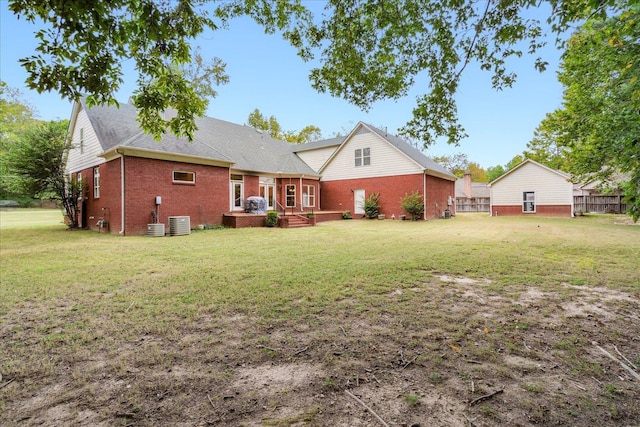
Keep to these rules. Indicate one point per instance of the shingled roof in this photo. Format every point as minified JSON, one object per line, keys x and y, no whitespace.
{"x":244,"y":147}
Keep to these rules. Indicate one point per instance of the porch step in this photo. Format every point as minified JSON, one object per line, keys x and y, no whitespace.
{"x":296,"y":221}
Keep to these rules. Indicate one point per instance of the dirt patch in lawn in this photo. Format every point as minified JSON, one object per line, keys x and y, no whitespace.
{"x":447,"y":351}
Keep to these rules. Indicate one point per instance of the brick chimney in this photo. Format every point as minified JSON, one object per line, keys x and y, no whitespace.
{"x":467,"y":184}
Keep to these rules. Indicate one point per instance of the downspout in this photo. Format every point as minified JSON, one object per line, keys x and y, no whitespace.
{"x":121,"y":232}
{"x":490,"y":200}
{"x":424,"y":191}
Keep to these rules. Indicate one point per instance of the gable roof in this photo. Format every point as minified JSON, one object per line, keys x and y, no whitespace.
{"x":429,"y":166}
{"x":533,"y":162}
{"x":242,"y":147}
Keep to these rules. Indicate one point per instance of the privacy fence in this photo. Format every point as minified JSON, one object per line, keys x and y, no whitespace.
{"x":599,"y":204}
{"x":474,"y":204}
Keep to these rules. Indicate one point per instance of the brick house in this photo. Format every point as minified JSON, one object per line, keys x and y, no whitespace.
{"x":133,"y":180}
{"x":531,"y":188}
{"x":370,"y":160}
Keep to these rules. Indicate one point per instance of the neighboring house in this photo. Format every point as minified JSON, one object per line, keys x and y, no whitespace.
{"x":370,"y":160}
{"x":133,"y":180}
{"x":471,"y":196}
{"x":532,"y":189}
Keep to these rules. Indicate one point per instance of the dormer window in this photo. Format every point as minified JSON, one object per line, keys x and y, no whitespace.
{"x":363,"y":157}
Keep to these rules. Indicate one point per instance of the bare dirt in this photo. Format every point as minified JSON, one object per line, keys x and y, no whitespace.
{"x":451,"y":351}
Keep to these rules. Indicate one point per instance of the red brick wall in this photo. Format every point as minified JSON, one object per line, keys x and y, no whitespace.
{"x":251,"y":186}
{"x":240,"y":221}
{"x":541,"y":210}
{"x":438,"y":193}
{"x":205,"y":202}
{"x":107,"y":206}
{"x":338,"y":195}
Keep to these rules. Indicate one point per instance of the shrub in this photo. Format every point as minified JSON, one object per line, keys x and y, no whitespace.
{"x":372,"y":205}
{"x":271,"y":219}
{"x":346,"y":215}
{"x":413,"y":204}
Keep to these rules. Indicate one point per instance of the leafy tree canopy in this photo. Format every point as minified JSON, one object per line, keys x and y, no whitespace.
{"x":16,"y":115}
{"x":598,"y":125}
{"x":478,"y":174}
{"x":38,"y":157}
{"x":368,"y":50}
{"x":495,"y":172}
{"x":272,"y":126}
{"x":82,"y":45}
{"x":457,"y":163}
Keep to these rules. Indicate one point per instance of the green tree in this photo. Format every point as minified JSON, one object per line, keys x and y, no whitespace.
{"x":547,"y":146}
{"x":271,"y":125}
{"x":16,"y":115}
{"x":82,"y":45}
{"x":515,"y":161}
{"x":368,"y":50}
{"x":478,"y":174}
{"x":457,"y":163}
{"x":495,"y":172}
{"x":599,"y":122}
{"x":38,"y":160}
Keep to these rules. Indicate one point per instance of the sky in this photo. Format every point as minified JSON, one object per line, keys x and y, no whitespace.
{"x":266,"y":73}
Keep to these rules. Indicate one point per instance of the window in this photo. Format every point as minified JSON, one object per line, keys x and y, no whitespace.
{"x":180,"y":177}
{"x":309,"y":196}
{"x":363,"y":157}
{"x":529,"y":201}
{"x":96,"y":182}
{"x":291,"y":195}
{"x":81,"y":140}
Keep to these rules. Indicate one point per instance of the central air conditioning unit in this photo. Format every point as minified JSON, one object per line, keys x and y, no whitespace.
{"x":155,"y":230}
{"x":179,"y":225}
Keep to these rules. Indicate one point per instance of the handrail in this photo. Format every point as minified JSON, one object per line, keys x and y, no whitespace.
{"x":284,"y":209}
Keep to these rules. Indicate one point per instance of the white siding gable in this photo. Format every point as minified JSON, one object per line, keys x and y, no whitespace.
{"x":550,"y":188}
{"x":86,"y":156}
{"x":317,"y":158}
{"x":386,"y":160}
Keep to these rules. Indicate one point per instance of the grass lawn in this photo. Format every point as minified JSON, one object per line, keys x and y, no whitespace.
{"x":271,"y":326}
{"x":14,"y":218}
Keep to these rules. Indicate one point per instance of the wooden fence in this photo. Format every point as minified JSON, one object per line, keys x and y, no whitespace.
{"x":475,"y":204}
{"x":599,"y":204}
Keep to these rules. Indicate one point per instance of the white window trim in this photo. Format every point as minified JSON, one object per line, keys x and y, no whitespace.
{"x":96,"y":182}
{"x":232,"y":192}
{"x":308,"y":193}
{"x":535,"y":205}
{"x":183,"y":181}
{"x":360,"y":159}
{"x":287,"y":196}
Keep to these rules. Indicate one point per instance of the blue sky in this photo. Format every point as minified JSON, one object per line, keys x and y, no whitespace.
{"x":266,"y":73}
